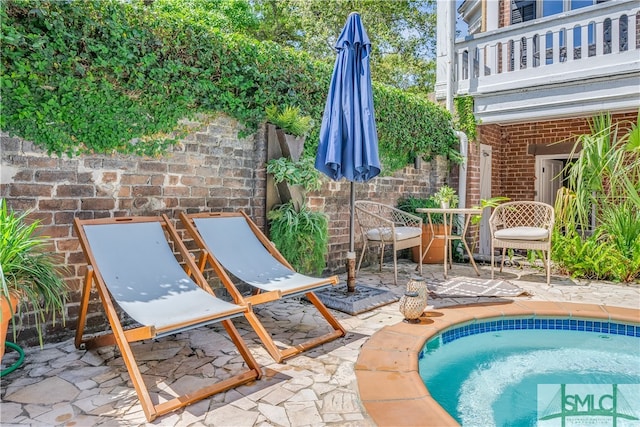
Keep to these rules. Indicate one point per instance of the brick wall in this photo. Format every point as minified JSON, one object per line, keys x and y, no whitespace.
{"x":505,"y":13}
{"x":210,"y":169}
{"x":513,"y":168}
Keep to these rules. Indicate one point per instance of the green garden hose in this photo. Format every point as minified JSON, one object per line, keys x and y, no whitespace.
{"x":17,"y":363}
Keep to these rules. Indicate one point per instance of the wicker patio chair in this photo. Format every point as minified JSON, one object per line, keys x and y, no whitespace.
{"x":383,"y":225}
{"x":522,"y":225}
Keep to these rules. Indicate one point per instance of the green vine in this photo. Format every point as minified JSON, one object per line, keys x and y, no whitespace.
{"x":105,"y":76}
{"x":465,"y":120}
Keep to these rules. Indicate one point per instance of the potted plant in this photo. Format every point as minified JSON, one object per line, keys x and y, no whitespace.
{"x":293,"y":179}
{"x":29,"y":274}
{"x":435,"y":254}
{"x":301,"y":235}
{"x":291,"y":129}
{"x":446,"y":197}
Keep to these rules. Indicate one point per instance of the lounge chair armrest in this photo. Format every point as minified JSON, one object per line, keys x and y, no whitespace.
{"x":264,"y":297}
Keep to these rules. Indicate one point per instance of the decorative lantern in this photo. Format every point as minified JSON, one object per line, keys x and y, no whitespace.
{"x":414,"y":300}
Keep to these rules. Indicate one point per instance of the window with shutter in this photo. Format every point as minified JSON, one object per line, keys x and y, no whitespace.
{"x":522,"y":11}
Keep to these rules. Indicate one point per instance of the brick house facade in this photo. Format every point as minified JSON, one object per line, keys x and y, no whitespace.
{"x":537,"y":71}
{"x":515,"y":146}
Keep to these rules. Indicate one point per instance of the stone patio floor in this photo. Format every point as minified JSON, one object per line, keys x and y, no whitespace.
{"x":60,"y":385}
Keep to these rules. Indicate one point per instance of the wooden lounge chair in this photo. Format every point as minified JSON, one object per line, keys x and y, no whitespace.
{"x":133,"y":266}
{"x":232,"y":244}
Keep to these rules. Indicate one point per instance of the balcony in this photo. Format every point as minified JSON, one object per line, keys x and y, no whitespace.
{"x":576,"y":63}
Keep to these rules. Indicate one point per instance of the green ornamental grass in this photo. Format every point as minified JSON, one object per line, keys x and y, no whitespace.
{"x":28,"y":270}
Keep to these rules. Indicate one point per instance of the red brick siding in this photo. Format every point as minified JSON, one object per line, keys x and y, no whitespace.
{"x":505,"y":13}
{"x":513,"y":169}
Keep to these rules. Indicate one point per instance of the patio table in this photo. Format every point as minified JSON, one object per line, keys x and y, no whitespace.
{"x":448,"y":237}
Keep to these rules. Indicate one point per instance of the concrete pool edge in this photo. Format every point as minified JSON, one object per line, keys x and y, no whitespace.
{"x":389,"y":384}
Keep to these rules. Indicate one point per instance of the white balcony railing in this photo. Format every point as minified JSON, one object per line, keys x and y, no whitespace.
{"x":593,"y":42}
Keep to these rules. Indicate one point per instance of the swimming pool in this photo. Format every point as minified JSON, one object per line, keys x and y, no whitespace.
{"x":507,"y":371}
{"x":389,"y":384}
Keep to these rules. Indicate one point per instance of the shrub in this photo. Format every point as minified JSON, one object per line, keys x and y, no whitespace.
{"x":410,"y":204}
{"x":289,"y":120}
{"x":605,"y":180}
{"x":591,"y":258}
{"x":301,"y":236}
{"x":109,"y":76}
{"x":28,"y":271}
{"x":112,"y":76}
{"x":301,"y":172}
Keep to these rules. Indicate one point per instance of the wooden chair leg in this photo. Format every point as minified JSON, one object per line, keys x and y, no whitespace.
{"x":129,"y":359}
{"x":265,"y":337}
{"x":502,"y":260}
{"x":548,"y":266}
{"x":311,"y":296}
{"x":395,"y":267}
{"x":364,"y":249}
{"x":84,"y":306}
{"x":493,"y":266}
{"x":279,"y":354}
{"x":242,"y":347}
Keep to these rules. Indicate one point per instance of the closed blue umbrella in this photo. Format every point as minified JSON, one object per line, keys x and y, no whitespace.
{"x":348,"y":145}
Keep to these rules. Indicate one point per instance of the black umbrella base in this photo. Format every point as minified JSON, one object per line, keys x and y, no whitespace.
{"x":364,"y":298}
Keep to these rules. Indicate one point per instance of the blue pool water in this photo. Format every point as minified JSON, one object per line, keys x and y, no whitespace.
{"x":489,"y":375}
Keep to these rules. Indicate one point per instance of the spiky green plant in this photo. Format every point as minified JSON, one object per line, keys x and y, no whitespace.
{"x":446,"y":194}
{"x":606,"y":169}
{"x":622,"y":225}
{"x":289,"y":120}
{"x":28,"y":270}
{"x":603,"y":190}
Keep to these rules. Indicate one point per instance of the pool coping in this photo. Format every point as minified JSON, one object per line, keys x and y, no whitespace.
{"x":389,"y":383}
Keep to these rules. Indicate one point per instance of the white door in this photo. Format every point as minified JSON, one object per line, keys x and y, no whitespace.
{"x":485,"y":193}
{"x":550,"y":180}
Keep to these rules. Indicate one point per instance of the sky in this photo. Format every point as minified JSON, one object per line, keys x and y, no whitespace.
{"x":461,"y":26}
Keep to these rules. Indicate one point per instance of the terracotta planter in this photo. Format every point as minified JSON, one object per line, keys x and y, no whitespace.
{"x":7,"y":314}
{"x":435,"y":255}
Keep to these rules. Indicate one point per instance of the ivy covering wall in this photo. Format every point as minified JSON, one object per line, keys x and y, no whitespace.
{"x":103,"y":76}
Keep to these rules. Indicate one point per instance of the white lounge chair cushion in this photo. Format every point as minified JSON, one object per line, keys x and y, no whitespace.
{"x":522,"y":233}
{"x":402,"y":233}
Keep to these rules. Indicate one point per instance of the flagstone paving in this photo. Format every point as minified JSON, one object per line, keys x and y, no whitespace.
{"x":61,"y":385}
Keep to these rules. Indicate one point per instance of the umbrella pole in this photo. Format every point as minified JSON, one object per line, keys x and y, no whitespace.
{"x":351,"y":255}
